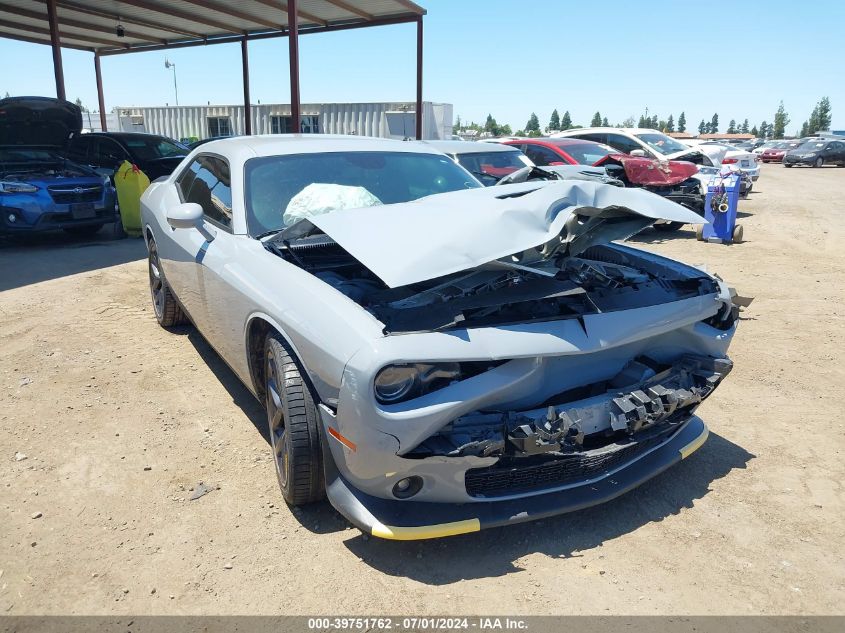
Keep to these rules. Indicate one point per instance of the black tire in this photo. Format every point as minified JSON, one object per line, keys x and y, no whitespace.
{"x":89,"y":229}
{"x":667,"y":227}
{"x":167,"y":310}
{"x":819,"y":162}
{"x":294,"y":425}
{"x":787,"y":165}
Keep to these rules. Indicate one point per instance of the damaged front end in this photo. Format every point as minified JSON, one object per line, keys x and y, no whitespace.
{"x":580,"y":434}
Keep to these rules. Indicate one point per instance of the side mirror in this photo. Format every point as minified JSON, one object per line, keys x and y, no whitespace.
{"x":188,"y":215}
{"x":637,"y":152}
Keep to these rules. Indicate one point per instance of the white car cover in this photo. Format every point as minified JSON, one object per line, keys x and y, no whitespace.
{"x":446,"y":233}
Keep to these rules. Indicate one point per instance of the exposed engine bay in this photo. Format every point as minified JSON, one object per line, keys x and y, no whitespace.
{"x":535,"y":286}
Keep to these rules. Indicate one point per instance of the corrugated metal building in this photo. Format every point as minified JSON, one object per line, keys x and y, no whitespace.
{"x":388,"y":120}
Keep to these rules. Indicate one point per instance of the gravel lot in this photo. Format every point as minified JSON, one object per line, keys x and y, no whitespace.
{"x":119,"y":420}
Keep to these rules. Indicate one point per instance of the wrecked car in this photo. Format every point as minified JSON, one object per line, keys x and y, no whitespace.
{"x":488,"y":162}
{"x":434,"y":356}
{"x":40,"y":189}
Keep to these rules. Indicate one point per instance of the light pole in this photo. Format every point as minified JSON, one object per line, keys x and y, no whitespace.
{"x":169,"y":64}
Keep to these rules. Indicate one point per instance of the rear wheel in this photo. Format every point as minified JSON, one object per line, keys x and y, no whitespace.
{"x":819,"y":162}
{"x":667,"y":227}
{"x":89,"y":229}
{"x":294,"y":425}
{"x":737,"y":234}
{"x":167,"y":310}
{"x":787,"y":165}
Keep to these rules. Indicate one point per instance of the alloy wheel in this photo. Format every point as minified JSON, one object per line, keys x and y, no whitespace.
{"x":276,"y":420}
{"x":156,"y":282}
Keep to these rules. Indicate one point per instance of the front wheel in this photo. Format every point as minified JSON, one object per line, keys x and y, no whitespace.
{"x":294,"y":425}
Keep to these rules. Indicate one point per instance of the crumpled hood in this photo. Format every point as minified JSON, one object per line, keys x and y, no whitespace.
{"x":714,"y":154}
{"x":446,"y":233}
{"x":38,"y":122}
{"x":650,"y":172}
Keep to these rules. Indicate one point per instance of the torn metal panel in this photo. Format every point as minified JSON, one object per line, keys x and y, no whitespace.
{"x":650,"y":172}
{"x":442,"y":234}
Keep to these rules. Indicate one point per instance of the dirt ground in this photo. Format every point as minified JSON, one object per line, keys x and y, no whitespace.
{"x":118,"y":420}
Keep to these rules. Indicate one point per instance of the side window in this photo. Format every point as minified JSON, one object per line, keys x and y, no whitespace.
{"x":207,"y":183}
{"x":542,"y":156}
{"x":78,"y":149}
{"x":595,"y":138}
{"x":622,"y":143}
{"x":107,"y":153}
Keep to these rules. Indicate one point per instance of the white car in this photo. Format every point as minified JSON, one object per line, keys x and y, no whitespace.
{"x":434,"y":356}
{"x":648,"y":143}
{"x":767,"y":145}
{"x":745,"y":160}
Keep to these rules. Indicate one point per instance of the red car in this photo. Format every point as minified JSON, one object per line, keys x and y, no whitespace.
{"x":571,"y":151}
{"x":775,"y":154}
{"x":562,"y":151}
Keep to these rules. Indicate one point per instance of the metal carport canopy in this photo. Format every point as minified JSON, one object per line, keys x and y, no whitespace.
{"x":151,"y":25}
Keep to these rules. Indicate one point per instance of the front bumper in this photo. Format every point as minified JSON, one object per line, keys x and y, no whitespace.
{"x":796,"y":160}
{"x":414,"y":520}
{"x":35,"y":213}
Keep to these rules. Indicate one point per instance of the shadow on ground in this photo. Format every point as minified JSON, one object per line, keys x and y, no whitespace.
{"x":31,"y":259}
{"x":495,"y":552}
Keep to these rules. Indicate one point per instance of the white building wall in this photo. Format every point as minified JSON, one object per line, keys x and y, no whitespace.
{"x":363,"y":119}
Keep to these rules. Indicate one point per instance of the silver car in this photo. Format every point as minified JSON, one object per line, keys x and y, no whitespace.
{"x":436,"y":357}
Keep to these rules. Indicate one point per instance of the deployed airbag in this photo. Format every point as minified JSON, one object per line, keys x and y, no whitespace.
{"x":318,"y":198}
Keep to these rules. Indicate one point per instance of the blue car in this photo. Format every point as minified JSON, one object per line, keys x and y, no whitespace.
{"x":40,"y":189}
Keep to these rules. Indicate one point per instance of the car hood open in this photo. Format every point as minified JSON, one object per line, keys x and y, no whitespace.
{"x":446,"y":233}
{"x":38,"y":122}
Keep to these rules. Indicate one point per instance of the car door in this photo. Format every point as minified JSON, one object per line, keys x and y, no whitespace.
{"x":624,"y":144}
{"x":837,"y":152}
{"x":200,"y":284}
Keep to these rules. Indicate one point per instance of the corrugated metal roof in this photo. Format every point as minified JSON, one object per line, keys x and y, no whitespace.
{"x":92,"y":24}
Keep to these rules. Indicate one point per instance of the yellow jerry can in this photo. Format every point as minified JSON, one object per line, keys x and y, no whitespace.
{"x":130,"y":183}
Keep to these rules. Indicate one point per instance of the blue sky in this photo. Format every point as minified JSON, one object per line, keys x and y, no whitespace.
{"x":510,"y":59}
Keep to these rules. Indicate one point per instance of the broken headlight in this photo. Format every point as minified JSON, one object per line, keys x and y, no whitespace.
{"x":397,"y":383}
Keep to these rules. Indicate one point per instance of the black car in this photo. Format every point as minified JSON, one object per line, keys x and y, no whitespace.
{"x":154,"y":155}
{"x":817,"y":152}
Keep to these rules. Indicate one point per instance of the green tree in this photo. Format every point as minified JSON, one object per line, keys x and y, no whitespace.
{"x":744,"y":128}
{"x":714,"y":124}
{"x":661,"y":125}
{"x":533,"y":124}
{"x":566,"y":121}
{"x":605,"y":122}
{"x":596,"y":122}
{"x":78,"y":102}
{"x":655,"y":124}
{"x":805,"y":130}
{"x":505,"y":130}
{"x":490,"y":125}
{"x":554,"y":121}
{"x":764,"y":129}
{"x":682,"y":122}
{"x":755,"y":132}
{"x":643,"y":122}
{"x":628,"y":122}
{"x":457,"y":125}
{"x":670,"y":124}
{"x":813,"y":123}
{"x":702,"y":127}
{"x":731,"y":127}
{"x":824,"y":114}
{"x":781,"y":121}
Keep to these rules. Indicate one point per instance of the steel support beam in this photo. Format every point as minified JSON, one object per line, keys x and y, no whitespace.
{"x":247,"y":108}
{"x":293,"y":47}
{"x":101,"y":102}
{"x":419,"y":115}
{"x":56,"y":45}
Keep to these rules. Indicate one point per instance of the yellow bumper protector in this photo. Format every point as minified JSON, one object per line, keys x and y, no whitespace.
{"x":693,"y":446}
{"x":425,"y":531}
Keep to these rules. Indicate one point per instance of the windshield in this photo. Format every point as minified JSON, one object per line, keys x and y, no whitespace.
{"x":812,"y":146}
{"x":272,"y":182}
{"x":588,"y":153}
{"x":491,"y":167}
{"x":27,"y":156}
{"x":150,"y":148}
{"x":662,"y":143}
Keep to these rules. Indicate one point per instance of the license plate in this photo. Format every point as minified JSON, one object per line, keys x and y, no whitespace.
{"x":83,"y":210}
{"x":745,"y":163}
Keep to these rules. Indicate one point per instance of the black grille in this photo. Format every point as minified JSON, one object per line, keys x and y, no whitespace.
{"x":519,"y":475}
{"x":69,"y":195}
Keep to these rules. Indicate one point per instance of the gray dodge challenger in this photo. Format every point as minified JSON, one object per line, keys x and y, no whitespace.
{"x":437,"y":357}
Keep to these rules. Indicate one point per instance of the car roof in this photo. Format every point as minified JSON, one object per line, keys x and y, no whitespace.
{"x":469,"y":147}
{"x":562,"y":142}
{"x":280,"y":144}
{"x":627,"y":130}
{"x":127,"y":135}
